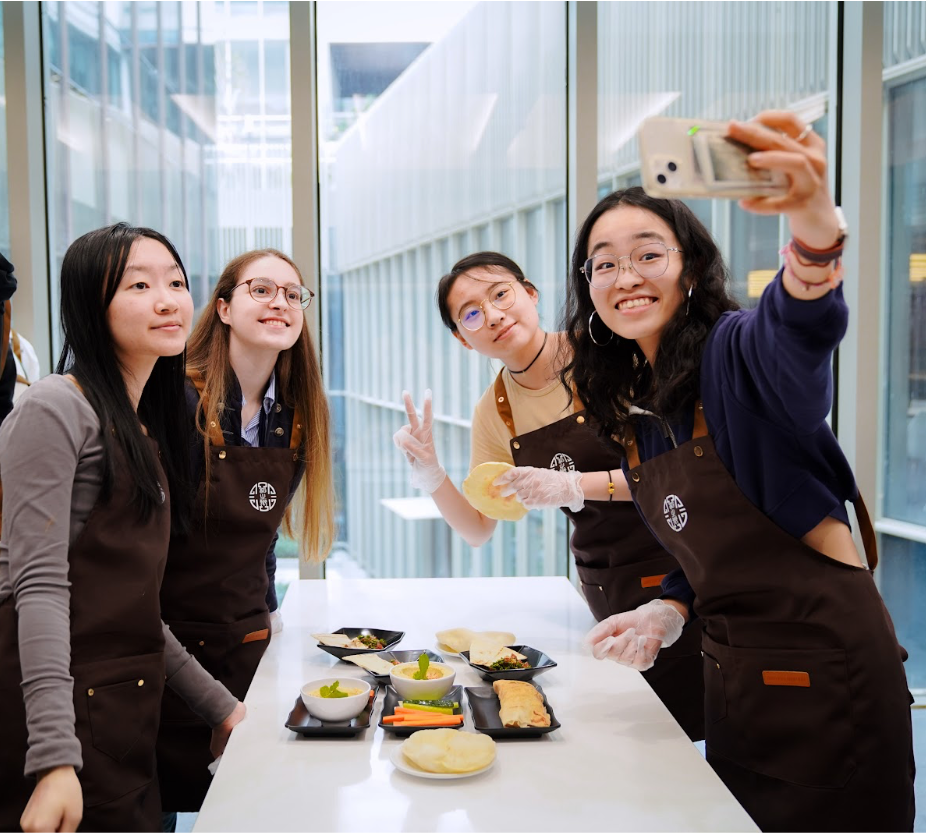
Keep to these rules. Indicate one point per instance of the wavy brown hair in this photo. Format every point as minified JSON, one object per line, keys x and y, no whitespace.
{"x":309,"y":518}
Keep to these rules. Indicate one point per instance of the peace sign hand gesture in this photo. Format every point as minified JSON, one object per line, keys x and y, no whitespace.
{"x":416,"y":440}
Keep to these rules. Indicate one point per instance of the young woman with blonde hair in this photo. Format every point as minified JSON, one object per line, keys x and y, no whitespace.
{"x":261,"y":456}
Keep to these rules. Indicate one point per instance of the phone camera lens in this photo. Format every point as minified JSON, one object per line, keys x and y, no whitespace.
{"x":672,"y":166}
{"x":661,"y":179}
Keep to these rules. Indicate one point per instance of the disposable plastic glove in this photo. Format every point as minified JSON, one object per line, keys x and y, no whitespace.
{"x":276,"y":622}
{"x":538,"y":488}
{"x":415,"y":439}
{"x":634,"y":638}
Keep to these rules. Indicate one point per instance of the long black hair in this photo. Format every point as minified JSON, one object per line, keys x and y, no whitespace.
{"x":91,"y":271}
{"x":610,"y":377}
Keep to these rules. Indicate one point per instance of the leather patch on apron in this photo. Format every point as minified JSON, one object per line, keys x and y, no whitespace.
{"x":263,"y":634}
{"x":651,"y":581}
{"x":778,"y":678}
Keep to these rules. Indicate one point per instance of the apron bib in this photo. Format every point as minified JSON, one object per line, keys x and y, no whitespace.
{"x":619,"y":562}
{"x":117,"y":662}
{"x":807,"y":711}
{"x":214,"y":598}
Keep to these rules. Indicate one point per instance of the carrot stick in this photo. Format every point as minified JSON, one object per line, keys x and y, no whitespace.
{"x":392,"y":719}
{"x":437,"y":721}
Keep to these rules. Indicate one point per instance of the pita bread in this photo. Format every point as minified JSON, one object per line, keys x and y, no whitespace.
{"x":370,"y":662}
{"x":484,"y":651}
{"x":456,"y":639}
{"x":340,"y":640}
{"x":486,"y":498}
{"x":449,"y":751}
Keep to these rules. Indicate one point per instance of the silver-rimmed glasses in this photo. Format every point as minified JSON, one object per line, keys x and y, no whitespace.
{"x":264,"y":290}
{"x":649,"y":260}
{"x":473,"y":316}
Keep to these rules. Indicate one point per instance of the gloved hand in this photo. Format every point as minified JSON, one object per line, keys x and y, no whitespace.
{"x":634,"y":638}
{"x":276,"y":622}
{"x":414,"y":438}
{"x":538,"y":488}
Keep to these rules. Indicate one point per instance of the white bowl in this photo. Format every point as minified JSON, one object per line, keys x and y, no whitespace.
{"x":336,"y":709}
{"x":424,"y":690}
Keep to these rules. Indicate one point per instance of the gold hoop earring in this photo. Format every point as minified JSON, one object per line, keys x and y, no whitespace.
{"x":592,"y":335}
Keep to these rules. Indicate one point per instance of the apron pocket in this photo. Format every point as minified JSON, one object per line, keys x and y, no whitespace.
{"x":117,"y":705}
{"x":785,"y":714}
{"x":623,"y":587}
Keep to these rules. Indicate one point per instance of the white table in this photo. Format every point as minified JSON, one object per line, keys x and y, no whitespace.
{"x":618,"y":763}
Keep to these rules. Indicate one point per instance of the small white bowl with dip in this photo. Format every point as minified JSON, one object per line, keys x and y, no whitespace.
{"x":439,"y":682}
{"x":336,"y":709}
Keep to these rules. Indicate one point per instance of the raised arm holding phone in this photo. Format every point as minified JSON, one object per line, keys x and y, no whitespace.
{"x":722,"y":416}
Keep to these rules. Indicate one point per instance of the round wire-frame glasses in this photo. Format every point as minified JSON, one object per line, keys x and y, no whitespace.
{"x":649,"y":260}
{"x":501,"y":296}
{"x":264,"y":290}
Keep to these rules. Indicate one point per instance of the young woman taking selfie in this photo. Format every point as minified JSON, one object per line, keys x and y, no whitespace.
{"x":527,"y":418}
{"x":259,"y":435}
{"x":728,"y":455}
{"x":93,"y":481}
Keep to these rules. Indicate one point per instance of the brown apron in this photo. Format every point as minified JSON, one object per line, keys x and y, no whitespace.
{"x":619,"y":562}
{"x":214,"y":598}
{"x":807,"y":711}
{"x":117,"y":662}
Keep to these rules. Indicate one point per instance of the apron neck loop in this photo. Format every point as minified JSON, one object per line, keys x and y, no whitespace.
{"x":502,"y":405}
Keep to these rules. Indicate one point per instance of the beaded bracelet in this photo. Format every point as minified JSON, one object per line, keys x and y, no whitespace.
{"x":834,"y":279}
{"x":610,"y":486}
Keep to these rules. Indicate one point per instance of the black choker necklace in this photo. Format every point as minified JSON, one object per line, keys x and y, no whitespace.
{"x":534,"y":359}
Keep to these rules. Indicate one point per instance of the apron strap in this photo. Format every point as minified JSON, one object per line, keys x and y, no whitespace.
{"x":577,"y":404}
{"x":699,"y":429}
{"x":502,"y":405}
{"x":216,"y":438}
{"x":5,"y":347}
{"x":295,"y":439}
{"x":700,"y":426}
{"x":867,"y":532}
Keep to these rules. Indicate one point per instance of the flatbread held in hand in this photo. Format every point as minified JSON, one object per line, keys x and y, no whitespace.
{"x":483,"y":496}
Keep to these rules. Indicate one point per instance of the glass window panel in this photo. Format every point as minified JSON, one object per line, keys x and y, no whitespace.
{"x":903,"y":586}
{"x":745,"y":70}
{"x":905,"y":443}
{"x":441,"y":133}
{"x":115,"y":153}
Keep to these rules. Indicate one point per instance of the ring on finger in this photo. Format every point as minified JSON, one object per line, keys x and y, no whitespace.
{"x":808,"y":129}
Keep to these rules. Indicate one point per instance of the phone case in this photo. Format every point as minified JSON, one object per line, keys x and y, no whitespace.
{"x":693,"y":158}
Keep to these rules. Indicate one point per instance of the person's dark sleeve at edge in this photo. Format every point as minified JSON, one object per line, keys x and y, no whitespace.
{"x":8,"y":372}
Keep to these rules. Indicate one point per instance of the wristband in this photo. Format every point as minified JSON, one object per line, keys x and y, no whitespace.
{"x":610,"y":486}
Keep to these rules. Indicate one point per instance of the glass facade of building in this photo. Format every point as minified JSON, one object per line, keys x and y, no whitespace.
{"x":442,"y":130}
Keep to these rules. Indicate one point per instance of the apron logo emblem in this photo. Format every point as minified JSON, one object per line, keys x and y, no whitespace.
{"x":263,"y":496}
{"x":562,"y":463}
{"x":674,"y":511}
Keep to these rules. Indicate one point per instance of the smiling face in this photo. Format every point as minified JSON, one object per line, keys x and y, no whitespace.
{"x":256,"y":326}
{"x":635,"y":307}
{"x":505,"y":334}
{"x":152,"y":311}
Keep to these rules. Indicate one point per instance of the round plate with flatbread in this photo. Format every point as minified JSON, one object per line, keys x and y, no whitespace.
{"x":485,"y":497}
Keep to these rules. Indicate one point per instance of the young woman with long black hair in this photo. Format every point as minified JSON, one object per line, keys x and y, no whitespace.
{"x":259,"y":428}
{"x":728,"y":455}
{"x":93,"y":480}
{"x":526,"y":418}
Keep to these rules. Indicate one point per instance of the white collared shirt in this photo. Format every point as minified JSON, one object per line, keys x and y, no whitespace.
{"x":251,"y":431}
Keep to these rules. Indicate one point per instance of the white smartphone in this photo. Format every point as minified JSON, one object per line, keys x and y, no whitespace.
{"x":694,"y":158}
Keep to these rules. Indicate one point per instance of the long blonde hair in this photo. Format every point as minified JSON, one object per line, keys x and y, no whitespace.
{"x":309,"y":518}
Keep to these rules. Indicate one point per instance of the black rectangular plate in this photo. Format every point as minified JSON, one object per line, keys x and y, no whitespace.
{"x":299,"y":720}
{"x":483,"y":703}
{"x":538,"y":660}
{"x":403,"y":656}
{"x":392,"y":701}
{"x":390,"y":638}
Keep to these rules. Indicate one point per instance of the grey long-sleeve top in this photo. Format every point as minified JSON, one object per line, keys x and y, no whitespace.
{"x":51,"y":464}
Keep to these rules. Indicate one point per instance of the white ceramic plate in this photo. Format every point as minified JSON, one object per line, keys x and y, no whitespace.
{"x":403,"y":764}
